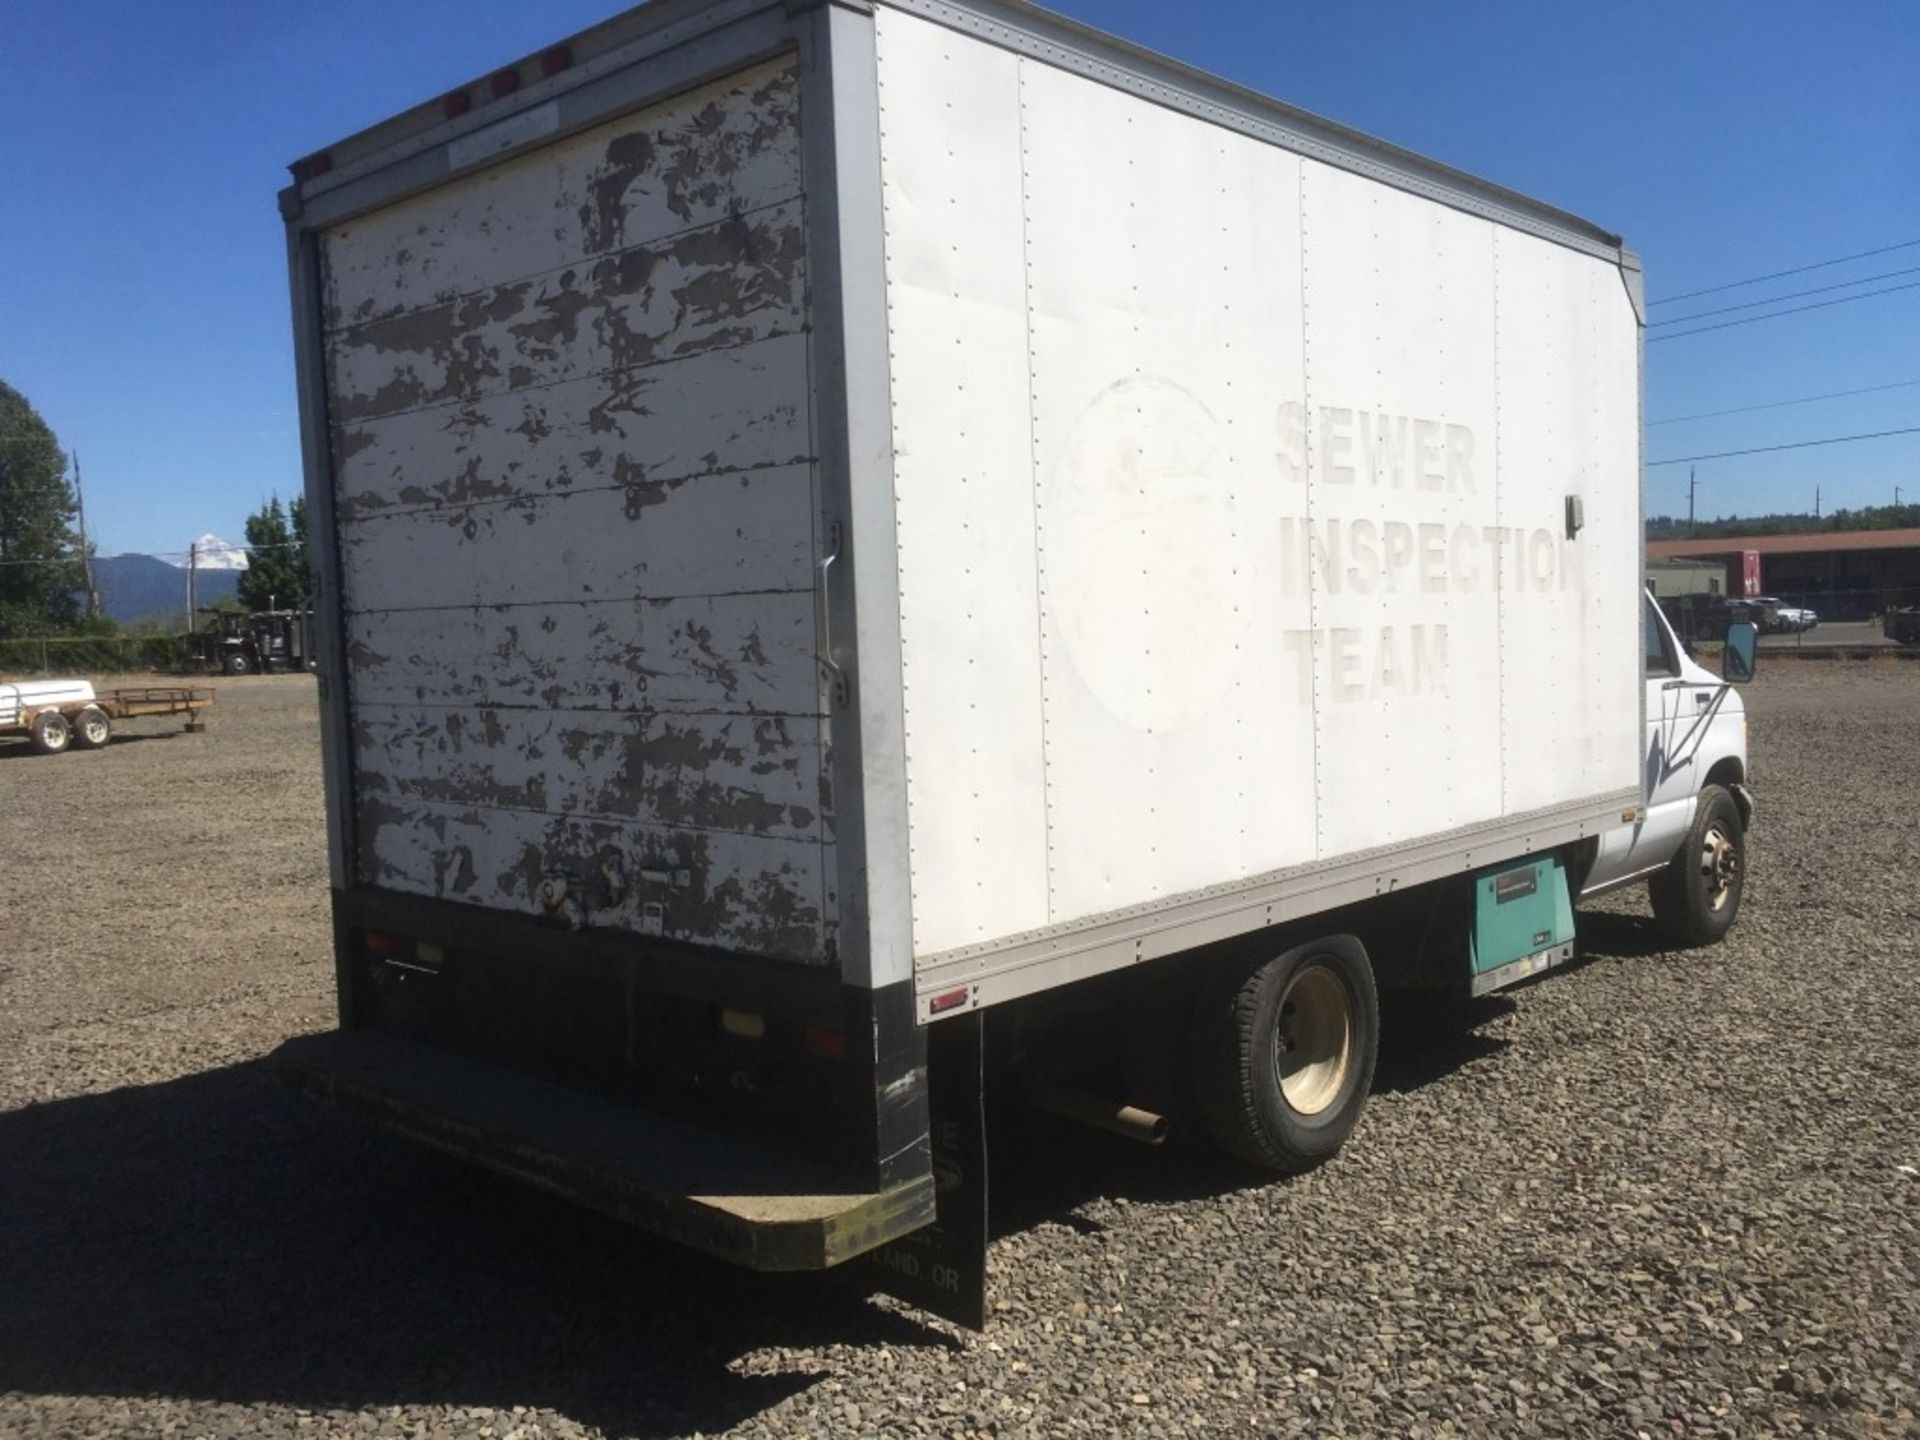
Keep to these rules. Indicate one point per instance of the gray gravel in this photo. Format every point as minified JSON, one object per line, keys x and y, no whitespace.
{"x":1662,"y":1194}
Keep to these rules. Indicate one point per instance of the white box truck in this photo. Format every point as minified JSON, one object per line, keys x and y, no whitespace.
{"x":866,"y":546}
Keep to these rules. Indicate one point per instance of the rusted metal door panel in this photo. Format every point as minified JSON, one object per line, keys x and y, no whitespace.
{"x":570,"y":402}
{"x":732,"y":654}
{"x":732,"y":409}
{"x":707,"y":155}
{"x":700,"y":535}
{"x":729,"y":283}
{"x":744,"y":892}
{"x":753,"y":775}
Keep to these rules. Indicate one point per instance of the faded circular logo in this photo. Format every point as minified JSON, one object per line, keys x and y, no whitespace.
{"x":1145,"y":559}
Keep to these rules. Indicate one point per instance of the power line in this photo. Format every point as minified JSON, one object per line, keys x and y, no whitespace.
{"x":1791,"y":445}
{"x":182,"y":555}
{"x":1790,"y":295}
{"x":1795,"y":310}
{"x":1782,"y":274}
{"x":1781,"y":404}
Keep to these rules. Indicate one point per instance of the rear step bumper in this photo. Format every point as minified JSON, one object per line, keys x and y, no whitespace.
{"x":742,"y":1202}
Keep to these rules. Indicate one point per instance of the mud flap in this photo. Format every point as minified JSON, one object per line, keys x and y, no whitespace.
{"x":942,"y":1269}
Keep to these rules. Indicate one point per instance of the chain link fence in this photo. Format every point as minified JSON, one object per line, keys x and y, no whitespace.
{"x":94,"y":654}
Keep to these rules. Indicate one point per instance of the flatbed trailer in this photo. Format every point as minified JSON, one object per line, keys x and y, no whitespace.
{"x":57,"y":715}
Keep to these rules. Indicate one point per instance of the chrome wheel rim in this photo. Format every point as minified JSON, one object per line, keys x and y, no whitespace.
{"x":1719,"y":867}
{"x":1313,"y":1040}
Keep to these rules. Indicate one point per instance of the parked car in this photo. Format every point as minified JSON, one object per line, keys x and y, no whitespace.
{"x":1777,"y":616}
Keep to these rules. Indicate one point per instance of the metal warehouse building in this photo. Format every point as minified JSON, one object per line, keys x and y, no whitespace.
{"x":1845,"y":575}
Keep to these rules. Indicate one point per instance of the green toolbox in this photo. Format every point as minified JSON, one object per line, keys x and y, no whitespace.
{"x":1522,"y":922}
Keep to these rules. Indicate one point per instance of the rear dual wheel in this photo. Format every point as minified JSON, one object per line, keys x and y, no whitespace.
{"x":1283,"y":1053}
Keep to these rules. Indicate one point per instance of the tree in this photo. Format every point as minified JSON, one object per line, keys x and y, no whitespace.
{"x":39,"y":550}
{"x":297,"y":512}
{"x":276,"y":577}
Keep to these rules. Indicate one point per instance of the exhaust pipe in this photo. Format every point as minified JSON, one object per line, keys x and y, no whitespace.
{"x":1129,"y":1122}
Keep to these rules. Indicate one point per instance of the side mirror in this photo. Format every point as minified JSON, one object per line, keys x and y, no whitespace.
{"x":1741,"y":654}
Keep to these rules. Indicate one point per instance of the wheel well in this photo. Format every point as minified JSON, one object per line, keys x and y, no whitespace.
{"x":1731,"y":772}
{"x":1728,"y":771}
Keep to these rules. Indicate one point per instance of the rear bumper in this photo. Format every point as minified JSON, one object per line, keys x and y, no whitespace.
{"x":743,"y":1202}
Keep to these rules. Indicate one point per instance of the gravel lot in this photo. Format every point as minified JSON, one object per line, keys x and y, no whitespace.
{"x":1662,"y":1194}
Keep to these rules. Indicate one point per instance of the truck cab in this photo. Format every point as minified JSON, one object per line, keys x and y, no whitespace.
{"x":1688,"y":838}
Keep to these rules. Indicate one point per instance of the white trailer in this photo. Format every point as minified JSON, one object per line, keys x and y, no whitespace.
{"x":55,"y":715}
{"x":845,"y":527}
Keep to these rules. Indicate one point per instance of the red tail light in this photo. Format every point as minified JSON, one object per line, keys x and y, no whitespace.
{"x":827,"y":1044}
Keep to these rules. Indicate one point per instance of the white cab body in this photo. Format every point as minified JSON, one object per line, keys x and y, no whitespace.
{"x":1691,"y":741}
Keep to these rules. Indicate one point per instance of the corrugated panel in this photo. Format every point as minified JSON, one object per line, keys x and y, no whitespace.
{"x":570,"y":408}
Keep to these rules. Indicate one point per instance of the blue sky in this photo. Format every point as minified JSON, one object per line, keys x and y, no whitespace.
{"x":142,"y":282}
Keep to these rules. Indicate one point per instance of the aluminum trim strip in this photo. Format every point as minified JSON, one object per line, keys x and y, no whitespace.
{"x":1039,"y":959}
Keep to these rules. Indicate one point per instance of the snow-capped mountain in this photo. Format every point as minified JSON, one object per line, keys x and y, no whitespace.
{"x":213,"y":553}
{"x":140,"y":587}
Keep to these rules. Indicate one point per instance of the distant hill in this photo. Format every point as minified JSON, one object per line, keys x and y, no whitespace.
{"x":139,"y":587}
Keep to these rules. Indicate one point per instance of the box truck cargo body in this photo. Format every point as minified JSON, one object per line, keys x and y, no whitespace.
{"x":835,"y":519}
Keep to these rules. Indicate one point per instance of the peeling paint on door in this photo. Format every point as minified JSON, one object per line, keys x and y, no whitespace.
{"x":572,"y":460}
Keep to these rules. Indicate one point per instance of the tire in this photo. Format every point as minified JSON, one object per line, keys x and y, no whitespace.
{"x":92,"y":728}
{"x":51,"y":732}
{"x":235,"y":662}
{"x":1697,"y":897}
{"x":1283,"y":1053}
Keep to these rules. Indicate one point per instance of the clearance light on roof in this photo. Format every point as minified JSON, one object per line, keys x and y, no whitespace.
{"x":503,"y":83}
{"x":456,"y":104}
{"x":312,"y":167}
{"x":555,"y":60}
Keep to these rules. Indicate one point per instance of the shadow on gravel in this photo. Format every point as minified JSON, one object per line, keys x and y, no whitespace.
{"x":20,"y":750}
{"x":219,"y":1237}
{"x":1424,"y":1039}
{"x":1045,"y":1169}
{"x":1620,"y":937}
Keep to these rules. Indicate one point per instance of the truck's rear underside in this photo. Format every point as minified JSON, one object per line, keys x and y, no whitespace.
{"x":563,"y":421}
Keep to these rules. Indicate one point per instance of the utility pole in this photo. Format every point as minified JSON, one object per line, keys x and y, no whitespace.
{"x":86,"y":550}
{"x":193,"y":563}
{"x":1690,"y":489}
{"x":1816,"y":502}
